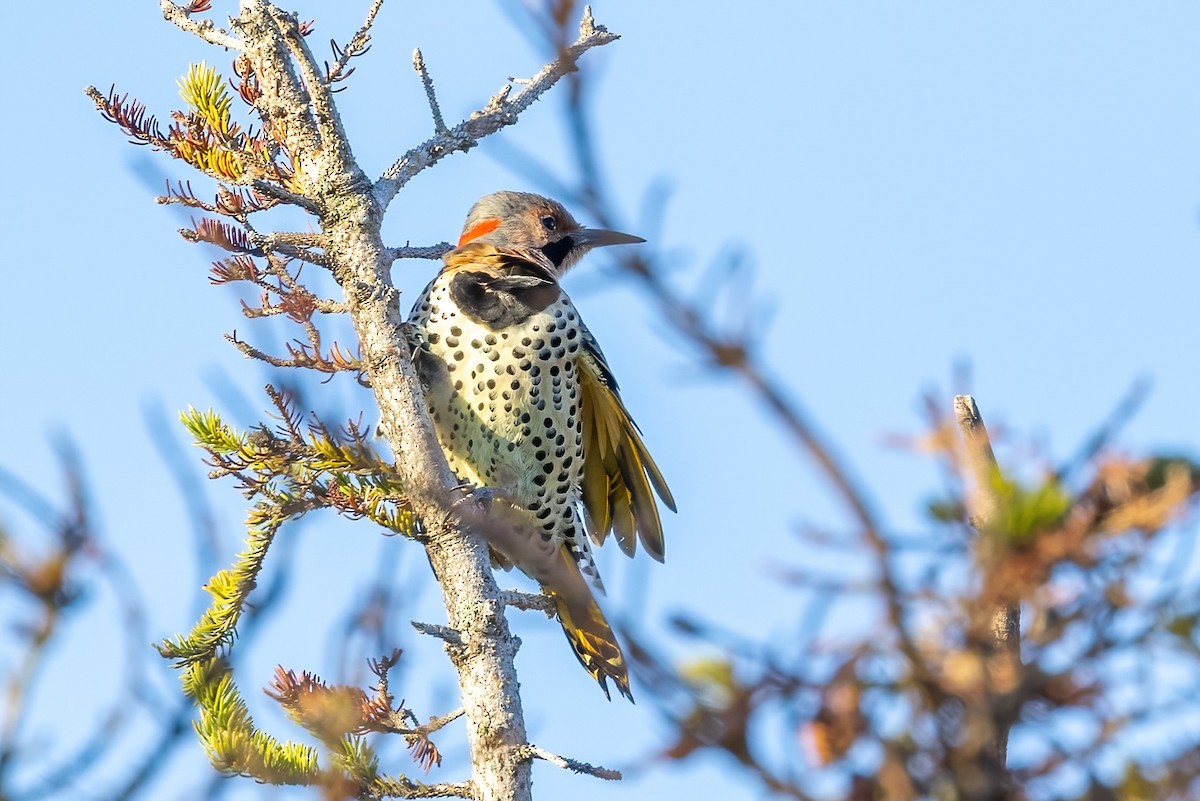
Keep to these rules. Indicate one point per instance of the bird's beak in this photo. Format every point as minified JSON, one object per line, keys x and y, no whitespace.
{"x":598,"y":237}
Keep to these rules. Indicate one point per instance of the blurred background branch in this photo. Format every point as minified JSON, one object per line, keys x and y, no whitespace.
{"x":919,"y":703}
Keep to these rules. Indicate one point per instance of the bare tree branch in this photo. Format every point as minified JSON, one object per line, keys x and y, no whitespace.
{"x":439,"y":125}
{"x":608,"y":774}
{"x":500,"y":112}
{"x":409,"y":252}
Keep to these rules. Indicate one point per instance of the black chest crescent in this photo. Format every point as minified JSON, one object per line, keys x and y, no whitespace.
{"x":501,"y":301}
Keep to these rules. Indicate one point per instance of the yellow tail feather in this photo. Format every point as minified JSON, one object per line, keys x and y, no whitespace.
{"x":590,"y":636}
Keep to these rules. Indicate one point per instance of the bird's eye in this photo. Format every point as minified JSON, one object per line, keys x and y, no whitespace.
{"x":549,"y":223}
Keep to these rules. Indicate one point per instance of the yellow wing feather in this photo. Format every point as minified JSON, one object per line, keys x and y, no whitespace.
{"x":618,"y":469}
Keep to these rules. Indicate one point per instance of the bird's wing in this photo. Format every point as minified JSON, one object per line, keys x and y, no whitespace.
{"x":498,"y":288}
{"x":618,"y":471}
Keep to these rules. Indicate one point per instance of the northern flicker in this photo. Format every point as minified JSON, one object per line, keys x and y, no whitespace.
{"x":525,"y":405}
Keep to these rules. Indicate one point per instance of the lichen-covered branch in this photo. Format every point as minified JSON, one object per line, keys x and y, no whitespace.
{"x":411,"y":252}
{"x":608,"y":774}
{"x":359,"y":44}
{"x":203,"y":28}
{"x":439,"y":124}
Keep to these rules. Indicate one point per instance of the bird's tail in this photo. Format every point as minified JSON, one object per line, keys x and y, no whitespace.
{"x":514,"y":534}
{"x":590,"y":636}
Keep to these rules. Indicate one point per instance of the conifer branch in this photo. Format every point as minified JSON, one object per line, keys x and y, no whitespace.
{"x":236,"y":202}
{"x":284,"y":196}
{"x":292,"y":245}
{"x":230,"y":589}
{"x":130,"y":116}
{"x":233,"y":743}
{"x":302,"y":356}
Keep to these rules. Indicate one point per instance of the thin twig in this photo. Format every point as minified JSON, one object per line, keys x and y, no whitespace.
{"x":279,"y":193}
{"x":203,"y":28}
{"x":291,"y":244}
{"x":444,"y":633}
{"x":411,"y":789}
{"x":439,"y":124}
{"x":320,"y":305}
{"x":357,"y":45}
{"x":437,"y":722}
{"x":528,"y":601}
{"x":537,"y":752}
{"x":300,"y":356}
{"x":411,"y":252}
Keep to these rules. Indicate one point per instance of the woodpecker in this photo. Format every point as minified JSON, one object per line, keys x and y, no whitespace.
{"x":526,"y":407}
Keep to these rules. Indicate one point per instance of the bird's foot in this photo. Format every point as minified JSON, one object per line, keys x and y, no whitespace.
{"x":414,"y":336}
{"x":480,"y":497}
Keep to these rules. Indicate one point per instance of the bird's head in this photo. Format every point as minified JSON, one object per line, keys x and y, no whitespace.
{"x":536,"y":227}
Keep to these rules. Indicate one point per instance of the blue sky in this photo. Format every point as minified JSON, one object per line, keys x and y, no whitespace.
{"x":1016,"y":185}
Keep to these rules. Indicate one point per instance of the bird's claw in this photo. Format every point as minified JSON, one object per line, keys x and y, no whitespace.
{"x":481,"y":497}
{"x":414,"y":336}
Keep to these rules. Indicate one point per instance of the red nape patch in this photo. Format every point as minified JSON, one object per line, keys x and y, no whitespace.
{"x":485,"y":227}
